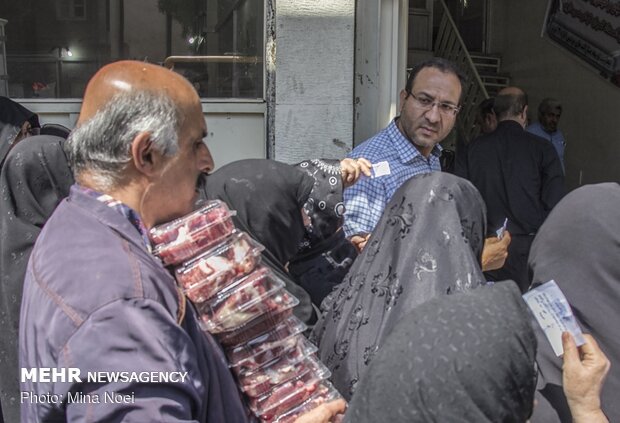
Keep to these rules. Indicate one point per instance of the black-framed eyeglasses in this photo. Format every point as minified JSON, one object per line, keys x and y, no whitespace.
{"x":424,"y":102}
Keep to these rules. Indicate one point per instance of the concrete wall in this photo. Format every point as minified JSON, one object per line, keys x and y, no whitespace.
{"x":590,"y":119}
{"x":235,"y":130}
{"x":314,"y":42}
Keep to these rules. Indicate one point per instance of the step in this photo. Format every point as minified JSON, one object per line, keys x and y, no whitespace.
{"x":494,"y":86}
{"x":495,"y":78}
{"x":486,"y":69}
{"x":486,"y":63}
{"x":483,"y":57}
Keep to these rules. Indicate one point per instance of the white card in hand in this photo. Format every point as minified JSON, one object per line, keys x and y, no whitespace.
{"x":553,"y":314}
{"x":502,"y":229}
{"x":381,"y":169}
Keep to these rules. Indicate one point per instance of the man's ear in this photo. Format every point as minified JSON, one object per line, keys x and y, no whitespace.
{"x":403,"y":97}
{"x":524,"y":116}
{"x":143,"y":155}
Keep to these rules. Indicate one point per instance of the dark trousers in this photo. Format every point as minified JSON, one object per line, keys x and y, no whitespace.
{"x":320,"y":272}
{"x":515,"y":267}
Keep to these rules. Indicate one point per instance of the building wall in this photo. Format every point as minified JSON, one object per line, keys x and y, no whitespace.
{"x":235,"y":130}
{"x":590,"y":104}
{"x":314,"y":44}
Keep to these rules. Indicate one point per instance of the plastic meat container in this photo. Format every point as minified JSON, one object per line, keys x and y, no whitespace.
{"x":324,"y":393}
{"x":214,"y":270}
{"x":266,"y":347}
{"x":257,"y":327}
{"x":290,"y":394}
{"x":289,"y":366}
{"x":260,"y":293}
{"x":183,"y":238}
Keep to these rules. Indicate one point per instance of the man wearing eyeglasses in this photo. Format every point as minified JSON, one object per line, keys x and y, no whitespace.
{"x":409,"y":145}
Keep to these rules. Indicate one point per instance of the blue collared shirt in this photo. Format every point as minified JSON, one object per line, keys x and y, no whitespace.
{"x":366,"y":199}
{"x":556,"y":138}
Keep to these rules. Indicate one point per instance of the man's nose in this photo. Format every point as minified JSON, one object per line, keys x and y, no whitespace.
{"x":205,"y":163}
{"x":433,"y":115}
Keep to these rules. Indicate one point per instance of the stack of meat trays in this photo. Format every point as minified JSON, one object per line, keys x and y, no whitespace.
{"x":279,"y":372}
{"x":245,"y":305}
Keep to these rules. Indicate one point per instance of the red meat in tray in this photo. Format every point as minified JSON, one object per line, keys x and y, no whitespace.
{"x":255,"y":328}
{"x":214,"y":270}
{"x":292,"y":365}
{"x":324,"y":393}
{"x":266,"y":347}
{"x":285,"y":397}
{"x":257,"y":294}
{"x":183,"y":238}
{"x":265,"y":356}
{"x":263,"y":381}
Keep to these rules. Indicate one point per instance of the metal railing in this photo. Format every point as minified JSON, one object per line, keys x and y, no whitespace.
{"x":450,"y":45}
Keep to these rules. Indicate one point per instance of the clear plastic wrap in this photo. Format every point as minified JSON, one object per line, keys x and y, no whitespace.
{"x":266,"y":347}
{"x":259,"y":381}
{"x":290,"y":394}
{"x":255,"y":328}
{"x":257,"y":294}
{"x":324,"y":393}
{"x":212,"y":271}
{"x":183,"y":238}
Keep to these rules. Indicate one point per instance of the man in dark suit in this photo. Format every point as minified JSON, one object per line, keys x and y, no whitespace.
{"x":520,"y":178}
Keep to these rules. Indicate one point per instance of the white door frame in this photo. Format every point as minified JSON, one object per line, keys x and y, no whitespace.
{"x":380,"y":63}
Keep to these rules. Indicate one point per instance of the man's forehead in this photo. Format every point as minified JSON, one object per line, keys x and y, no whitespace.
{"x":433,"y":79}
{"x":194,"y":121}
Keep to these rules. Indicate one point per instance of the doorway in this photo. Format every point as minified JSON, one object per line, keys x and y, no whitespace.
{"x":470,"y":17}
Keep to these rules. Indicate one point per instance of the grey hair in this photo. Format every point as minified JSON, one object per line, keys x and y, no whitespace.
{"x":549,"y":105}
{"x":102,"y":144}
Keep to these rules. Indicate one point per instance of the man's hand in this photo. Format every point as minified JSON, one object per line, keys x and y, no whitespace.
{"x":324,"y":413}
{"x":495,"y":252}
{"x":359,"y":241}
{"x":583,"y":375}
{"x":352,"y":169}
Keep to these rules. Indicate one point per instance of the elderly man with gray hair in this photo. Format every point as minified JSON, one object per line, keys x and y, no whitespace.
{"x":105,"y":334}
{"x":549,"y":113}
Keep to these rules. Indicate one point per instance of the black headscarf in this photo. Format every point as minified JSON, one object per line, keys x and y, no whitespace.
{"x":268,"y":197}
{"x":325,"y":205}
{"x":427,"y":243}
{"x":12,"y":117}
{"x":325,"y":254}
{"x":464,"y":358}
{"x":578,"y":246}
{"x":34,"y":179}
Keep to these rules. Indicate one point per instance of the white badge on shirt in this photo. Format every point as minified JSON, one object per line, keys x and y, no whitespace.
{"x":554,"y":315}
{"x":381,"y":169}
